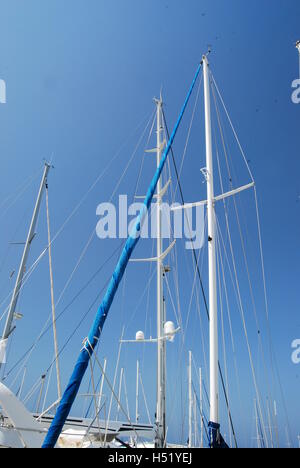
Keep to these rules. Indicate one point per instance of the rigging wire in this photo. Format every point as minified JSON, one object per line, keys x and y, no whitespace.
{"x":225,"y":209}
{"x":77,"y":295}
{"x":115,"y":396}
{"x":9,"y":247}
{"x":52,"y":297}
{"x":74,"y":211}
{"x":201,"y":414}
{"x":272,"y":352}
{"x":114,"y":383}
{"x":201,"y":282}
{"x":232,"y":127}
{"x":175,"y":276}
{"x":137,"y":182}
{"x":178,"y":173}
{"x":47,"y":389}
{"x":93,"y":233}
{"x":231,"y":330}
{"x":242,"y":313}
{"x":145,"y":400}
{"x":222,"y":328}
{"x":19,"y":192}
{"x":273,"y":359}
{"x":90,"y":239}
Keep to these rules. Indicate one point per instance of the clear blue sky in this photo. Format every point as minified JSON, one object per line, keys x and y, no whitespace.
{"x":80,"y":78}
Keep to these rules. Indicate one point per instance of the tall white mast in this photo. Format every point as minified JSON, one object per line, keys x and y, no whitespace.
{"x":165,"y":330}
{"x":52,"y":300}
{"x":213,"y":322}
{"x":161,"y":344}
{"x":12,"y":308}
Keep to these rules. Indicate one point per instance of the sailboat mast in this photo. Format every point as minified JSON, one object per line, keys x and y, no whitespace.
{"x":161,"y":344}
{"x":213,"y":322}
{"x":12,"y":308}
{"x":52,"y":299}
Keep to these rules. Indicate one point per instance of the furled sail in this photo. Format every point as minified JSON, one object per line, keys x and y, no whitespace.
{"x":95,"y":332}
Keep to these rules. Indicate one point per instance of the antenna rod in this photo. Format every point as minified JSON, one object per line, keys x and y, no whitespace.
{"x":8,"y":329}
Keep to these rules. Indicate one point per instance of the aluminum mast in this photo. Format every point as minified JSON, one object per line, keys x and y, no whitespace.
{"x":161,"y":343}
{"x":8,"y":329}
{"x":213,"y":322}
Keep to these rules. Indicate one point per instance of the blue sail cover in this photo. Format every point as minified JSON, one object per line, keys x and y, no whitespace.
{"x":215,"y":438}
{"x":95,"y":332}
